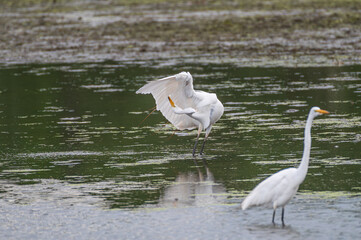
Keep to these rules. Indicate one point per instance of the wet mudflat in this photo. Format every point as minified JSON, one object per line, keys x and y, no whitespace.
{"x":254,"y":32}
{"x":77,"y":161}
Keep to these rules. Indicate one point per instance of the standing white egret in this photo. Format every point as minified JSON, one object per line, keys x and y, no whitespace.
{"x":278,"y":189}
{"x":183,"y":106}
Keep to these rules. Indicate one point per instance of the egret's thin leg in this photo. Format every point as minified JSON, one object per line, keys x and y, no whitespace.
{"x":195,"y":145}
{"x":194,"y":148}
{"x":282,"y":218}
{"x":204,"y":142}
{"x":273,"y":218}
{"x":208,"y":130}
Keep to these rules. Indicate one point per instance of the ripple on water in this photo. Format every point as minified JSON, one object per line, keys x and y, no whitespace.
{"x":102,"y":88}
{"x":68,"y":162}
{"x":59,"y":154}
{"x":53,"y":109}
{"x":24,"y":171}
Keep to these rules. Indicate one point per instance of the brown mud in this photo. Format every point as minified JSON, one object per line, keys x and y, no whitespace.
{"x":248,"y":33}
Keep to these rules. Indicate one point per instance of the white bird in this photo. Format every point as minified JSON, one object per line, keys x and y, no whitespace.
{"x":278,"y":189}
{"x":183,"y":106}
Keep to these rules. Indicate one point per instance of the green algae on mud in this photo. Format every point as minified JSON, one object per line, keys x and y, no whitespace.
{"x":252,"y":33}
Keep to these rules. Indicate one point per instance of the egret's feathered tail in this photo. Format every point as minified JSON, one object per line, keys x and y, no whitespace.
{"x":269,"y":192}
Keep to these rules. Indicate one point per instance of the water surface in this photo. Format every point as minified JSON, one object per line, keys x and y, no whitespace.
{"x":73,"y":147}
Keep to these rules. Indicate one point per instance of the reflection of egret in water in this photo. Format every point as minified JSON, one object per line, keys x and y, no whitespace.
{"x":194,"y":189}
{"x":272,"y":232}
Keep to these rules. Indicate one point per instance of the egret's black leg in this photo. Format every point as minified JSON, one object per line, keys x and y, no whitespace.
{"x":195,"y":147}
{"x":204,"y":142}
{"x":273,"y":218}
{"x":283,"y":215}
{"x":208,"y":130}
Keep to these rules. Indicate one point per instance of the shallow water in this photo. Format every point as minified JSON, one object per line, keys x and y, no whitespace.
{"x":74,"y":147}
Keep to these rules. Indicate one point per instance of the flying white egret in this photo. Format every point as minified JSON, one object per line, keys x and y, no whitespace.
{"x":278,"y":189}
{"x":183,"y":106}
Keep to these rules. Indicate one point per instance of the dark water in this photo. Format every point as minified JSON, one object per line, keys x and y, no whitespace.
{"x":73,"y":147}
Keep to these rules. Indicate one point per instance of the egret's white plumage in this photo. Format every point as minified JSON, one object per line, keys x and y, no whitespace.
{"x":278,"y":189}
{"x":183,"y":106}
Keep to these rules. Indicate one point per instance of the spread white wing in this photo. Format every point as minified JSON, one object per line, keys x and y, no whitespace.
{"x":180,"y":88}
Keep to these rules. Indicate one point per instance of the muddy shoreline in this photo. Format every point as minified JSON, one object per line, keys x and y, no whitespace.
{"x":275,"y":34}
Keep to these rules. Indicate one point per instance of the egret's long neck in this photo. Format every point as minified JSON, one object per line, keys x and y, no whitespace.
{"x":302,"y":169}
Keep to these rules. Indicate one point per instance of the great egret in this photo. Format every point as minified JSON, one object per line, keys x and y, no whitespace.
{"x":278,"y":189}
{"x":183,"y":106}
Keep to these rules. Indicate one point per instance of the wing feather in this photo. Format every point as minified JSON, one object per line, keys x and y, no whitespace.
{"x":269,"y":190}
{"x":180,"y":88}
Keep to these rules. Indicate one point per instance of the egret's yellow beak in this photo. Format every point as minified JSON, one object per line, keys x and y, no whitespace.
{"x":171,"y":102}
{"x":322,"y":111}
